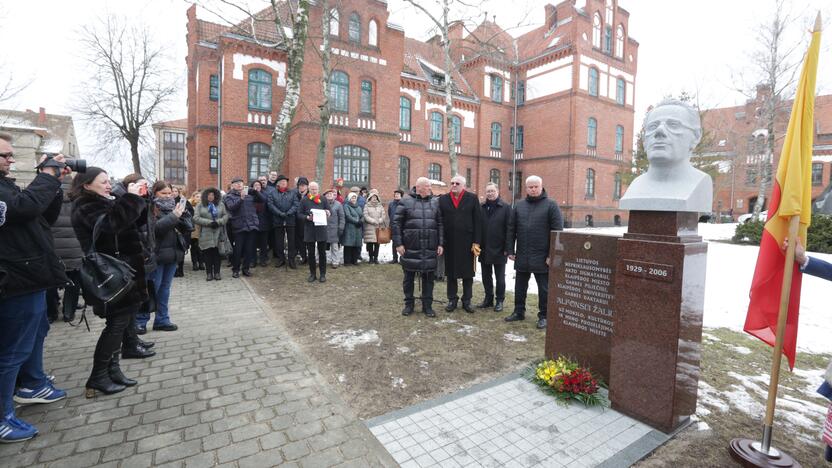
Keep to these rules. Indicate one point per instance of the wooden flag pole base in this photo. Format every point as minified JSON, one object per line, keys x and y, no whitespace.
{"x":748,"y":453}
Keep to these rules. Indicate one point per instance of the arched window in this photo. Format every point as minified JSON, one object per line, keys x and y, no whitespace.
{"x":590,"y":183}
{"x":619,"y":138}
{"x":496,"y":88}
{"x":596,"y":30}
{"x":372,"y":33}
{"x":404,"y":113}
{"x":404,"y":173}
{"x":620,"y":90}
{"x":591,"y":132}
{"x":334,"y":22}
{"x":496,"y":135}
{"x":352,"y":163}
{"x":355,"y":28}
{"x":609,"y":11}
{"x":456,"y":129}
{"x":619,"y":42}
{"x":259,"y":90}
{"x":366,"y":97}
{"x":436,"y":126}
{"x":593,"y":81}
{"x":616,"y":189}
{"x":435,"y":171}
{"x":258,"y":160}
{"x":494,"y":176}
{"x":339,"y":91}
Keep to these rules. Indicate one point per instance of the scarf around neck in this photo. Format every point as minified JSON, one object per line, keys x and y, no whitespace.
{"x":456,"y":200}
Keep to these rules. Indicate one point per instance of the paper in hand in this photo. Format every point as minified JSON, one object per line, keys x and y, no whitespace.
{"x":318,"y":217}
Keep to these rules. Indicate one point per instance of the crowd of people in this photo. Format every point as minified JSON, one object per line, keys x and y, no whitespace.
{"x":52,"y":230}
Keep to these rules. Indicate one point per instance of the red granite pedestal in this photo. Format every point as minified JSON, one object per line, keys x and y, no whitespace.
{"x":659,"y":301}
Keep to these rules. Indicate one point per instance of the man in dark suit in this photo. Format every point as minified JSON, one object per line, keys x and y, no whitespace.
{"x":496,"y":214}
{"x":462,"y":222}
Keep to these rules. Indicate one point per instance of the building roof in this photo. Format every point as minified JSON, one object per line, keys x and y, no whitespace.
{"x":54,"y":129}
{"x":260,"y":26}
{"x":177,"y":124}
{"x":425,"y":59}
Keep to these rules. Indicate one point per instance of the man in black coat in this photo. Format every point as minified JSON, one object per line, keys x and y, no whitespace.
{"x":301,"y":190}
{"x":391,"y":215}
{"x":496,"y":213}
{"x":284,"y":204}
{"x":418,"y":239}
{"x":69,"y":251}
{"x":30,"y":267}
{"x":531,"y":222}
{"x":462,"y":221}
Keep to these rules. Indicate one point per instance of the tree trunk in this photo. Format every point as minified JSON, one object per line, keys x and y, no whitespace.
{"x":294,"y":73}
{"x":320,"y":161}
{"x":449,"y":100}
{"x":134,"y":154}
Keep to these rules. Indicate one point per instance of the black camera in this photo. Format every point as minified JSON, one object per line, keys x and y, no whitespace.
{"x":74,"y":165}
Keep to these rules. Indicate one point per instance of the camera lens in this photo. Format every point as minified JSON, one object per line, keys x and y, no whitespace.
{"x":77,"y":165}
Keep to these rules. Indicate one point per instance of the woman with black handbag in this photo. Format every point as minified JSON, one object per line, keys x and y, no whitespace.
{"x":118,"y":237}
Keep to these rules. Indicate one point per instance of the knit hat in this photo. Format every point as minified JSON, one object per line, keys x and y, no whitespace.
{"x":234,"y":180}
{"x":331,"y":189}
{"x":339,"y":182}
{"x":303,"y":181}
{"x":351,"y":195}
{"x":281,"y":177}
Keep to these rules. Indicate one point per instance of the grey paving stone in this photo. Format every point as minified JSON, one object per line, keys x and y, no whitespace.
{"x":202,"y":460}
{"x":295,"y":450}
{"x":237,"y":451}
{"x":178,"y":451}
{"x":102,"y":441}
{"x":119,"y":452}
{"x":215,"y":441}
{"x":81,"y":460}
{"x":161,"y":440}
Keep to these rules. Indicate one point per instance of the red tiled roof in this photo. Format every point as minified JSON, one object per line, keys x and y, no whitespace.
{"x":416,"y":51}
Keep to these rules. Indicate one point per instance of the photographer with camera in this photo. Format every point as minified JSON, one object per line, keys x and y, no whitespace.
{"x":30,"y":267}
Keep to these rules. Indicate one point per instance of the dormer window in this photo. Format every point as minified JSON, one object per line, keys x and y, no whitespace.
{"x":437,"y":79}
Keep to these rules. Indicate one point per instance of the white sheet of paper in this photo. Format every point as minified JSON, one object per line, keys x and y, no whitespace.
{"x":318,"y":217}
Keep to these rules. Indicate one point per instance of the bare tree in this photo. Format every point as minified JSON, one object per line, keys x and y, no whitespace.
{"x":775,"y":65}
{"x":11,"y":87}
{"x":325,"y":109}
{"x":129,"y":84}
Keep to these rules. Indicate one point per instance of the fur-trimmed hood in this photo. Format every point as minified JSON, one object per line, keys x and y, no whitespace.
{"x":217,"y":196}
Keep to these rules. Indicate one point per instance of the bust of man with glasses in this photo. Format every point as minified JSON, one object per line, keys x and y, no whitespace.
{"x":671,"y":132}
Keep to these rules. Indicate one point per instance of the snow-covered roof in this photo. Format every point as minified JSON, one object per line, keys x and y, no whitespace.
{"x":52,"y":145}
{"x":437,"y":182}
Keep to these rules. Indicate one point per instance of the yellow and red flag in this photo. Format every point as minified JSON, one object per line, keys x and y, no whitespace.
{"x":791,"y":195}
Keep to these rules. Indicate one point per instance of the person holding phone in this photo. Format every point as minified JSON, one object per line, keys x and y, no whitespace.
{"x":173,"y":224}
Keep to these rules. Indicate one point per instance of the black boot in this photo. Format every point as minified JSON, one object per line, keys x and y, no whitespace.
{"x":136,"y":352}
{"x":515,"y":317}
{"x":292,"y":264}
{"x":209,"y":276}
{"x":116,"y":375}
{"x":466,"y":306}
{"x":100,"y":379}
{"x":145,"y":344}
{"x":427,"y":309}
{"x":451,"y":305}
{"x":498,"y":307}
{"x":408,"y":309}
{"x":217,"y":275}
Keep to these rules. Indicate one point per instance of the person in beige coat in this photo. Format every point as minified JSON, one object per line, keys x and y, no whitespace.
{"x":375,"y":216}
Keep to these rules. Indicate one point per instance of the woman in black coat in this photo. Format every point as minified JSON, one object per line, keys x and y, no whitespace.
{"x":119,"y":237}
{"x":172,"y":228}
{"x":314,"y":234}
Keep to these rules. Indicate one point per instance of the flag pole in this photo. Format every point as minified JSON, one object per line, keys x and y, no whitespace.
{"x":777,"y":353}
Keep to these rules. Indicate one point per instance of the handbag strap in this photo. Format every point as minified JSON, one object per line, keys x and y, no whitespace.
{"x":96,"y":233}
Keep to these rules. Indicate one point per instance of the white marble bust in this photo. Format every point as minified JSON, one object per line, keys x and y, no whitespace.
{"x":671,"y":131}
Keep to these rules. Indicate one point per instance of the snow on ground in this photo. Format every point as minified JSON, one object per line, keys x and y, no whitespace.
{"x":513,"y":337}
{"x":349,"y":339}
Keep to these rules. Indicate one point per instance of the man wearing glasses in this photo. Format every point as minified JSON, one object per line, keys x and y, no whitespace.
{"x":672,"y":130}
{"x":462,"y":222}
{"x":28,"y":261}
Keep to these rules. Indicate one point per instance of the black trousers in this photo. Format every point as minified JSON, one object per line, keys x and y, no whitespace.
{"x":499,"y":270}
{"x":467,"y":289}
{"x":109,"y":342}
{"x":372,"y":249}
{"x":273,"y":242}
{"x":261,"y":243}
{"x":521,"y":287}
{"x":395,"y":255}
{"x":130,"y":338}
{"x":351,"y":255}
{"x":212,"y":260}
{"x":284,"y":236}
{"x":299,"y":241}
{"x":427,"y":287}
{"x":243,"y":250}
{"x":53,"y":299}
{"x":310,"y":255}
{"x":196,"y":254}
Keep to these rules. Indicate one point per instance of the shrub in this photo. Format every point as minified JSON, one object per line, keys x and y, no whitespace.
{"x":749,"y":232}
{"x":820,"y":233}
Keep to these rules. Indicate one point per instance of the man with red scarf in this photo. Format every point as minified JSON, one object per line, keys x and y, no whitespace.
{"x":462,"y":222}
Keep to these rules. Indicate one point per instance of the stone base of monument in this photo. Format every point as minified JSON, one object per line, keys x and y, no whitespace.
{"x":659,"y":301}
{"x":747,"y":453}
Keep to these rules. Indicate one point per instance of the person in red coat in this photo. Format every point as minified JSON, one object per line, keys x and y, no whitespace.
{"x":462,"y":222}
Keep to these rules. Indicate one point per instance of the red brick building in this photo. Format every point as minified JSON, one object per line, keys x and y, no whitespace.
{"x":567,"y":87}
{"x":737,"y":138}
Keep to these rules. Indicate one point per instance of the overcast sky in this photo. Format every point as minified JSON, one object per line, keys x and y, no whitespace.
{"x":700,"y":46}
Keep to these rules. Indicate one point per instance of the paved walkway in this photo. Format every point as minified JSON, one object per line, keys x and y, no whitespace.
{"x":509,"y":422}
{"x":229,"y":388}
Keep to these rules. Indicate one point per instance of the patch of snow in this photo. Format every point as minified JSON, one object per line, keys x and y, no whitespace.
{"x":448,"y":320}
{"x":710,"y":396}
{"x":349,"y":339}
{"x":813,"y":378}
{"x":466,"y":329}
{"x":702,"y":426}
{"x":709,"y":337}
{"x":403,"y":349}
{"x":342,"y":378}
{"x":513,"y":337}
{"x":741,"y":349}
{"x":397,"y":382}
